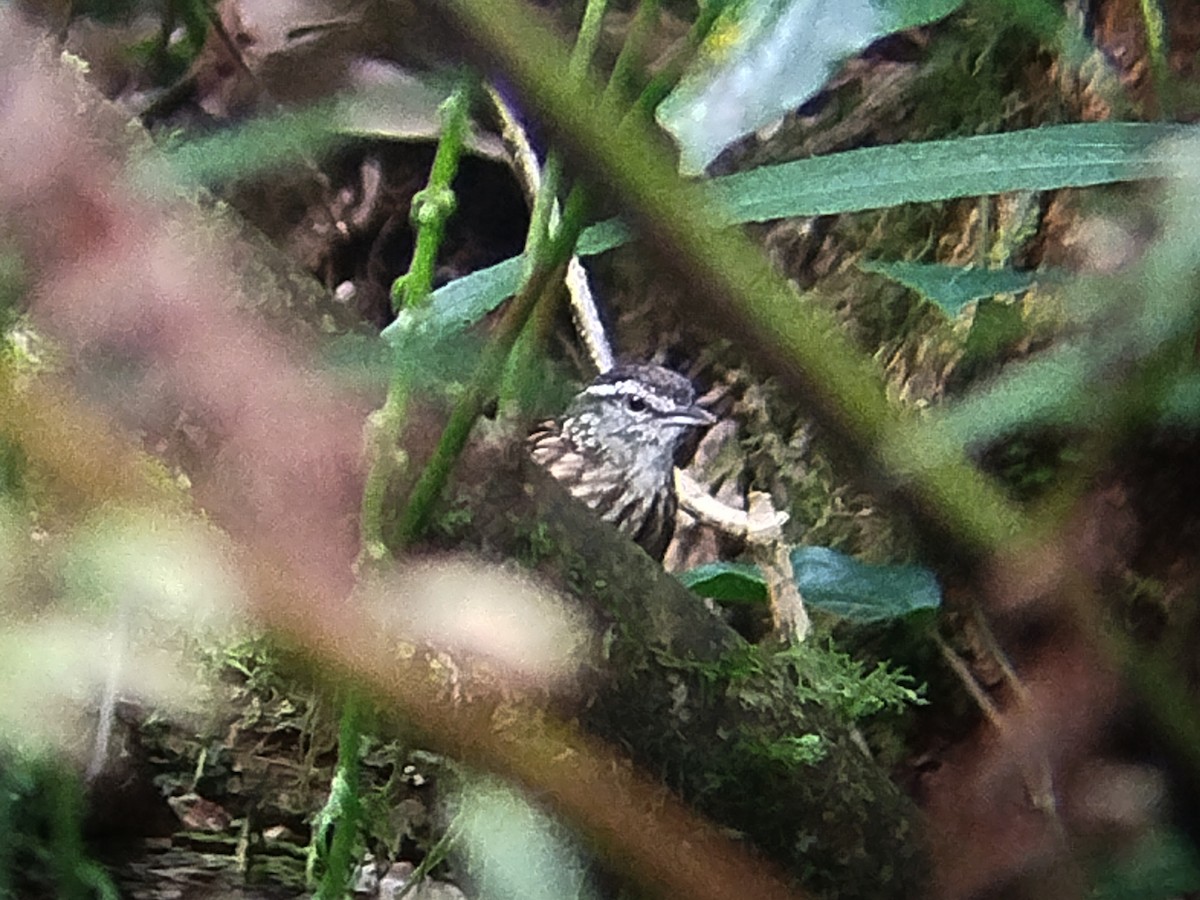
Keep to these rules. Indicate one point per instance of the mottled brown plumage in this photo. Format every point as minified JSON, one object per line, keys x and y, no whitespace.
{"x":614,"y":448}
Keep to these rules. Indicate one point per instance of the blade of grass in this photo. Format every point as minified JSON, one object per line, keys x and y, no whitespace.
{"x":874,"y":177}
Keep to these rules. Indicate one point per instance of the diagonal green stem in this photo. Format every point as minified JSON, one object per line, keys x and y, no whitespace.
{"x":620,"y":82}
{"x":1155,"y":21}
{"x":419,"y":509}
{"x":735,"y":288}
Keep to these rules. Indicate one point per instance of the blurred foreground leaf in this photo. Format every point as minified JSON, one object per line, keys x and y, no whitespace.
{"x":764,"y":58}
{"x":514,"y":851}
{"x":1163,"y":864}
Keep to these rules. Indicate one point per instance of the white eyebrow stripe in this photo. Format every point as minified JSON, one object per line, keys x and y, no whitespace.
{"x":631,"y":388}
{"x":603,"y":390}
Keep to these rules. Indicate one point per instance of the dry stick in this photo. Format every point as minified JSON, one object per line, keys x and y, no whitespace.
{"x":546,"y":220}
{"x":583,"y":303}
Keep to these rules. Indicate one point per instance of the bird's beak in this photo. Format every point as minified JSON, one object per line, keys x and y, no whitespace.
{"x":693,"y":415}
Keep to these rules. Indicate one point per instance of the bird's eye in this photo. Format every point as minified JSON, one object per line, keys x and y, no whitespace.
{"x":635,"y":404}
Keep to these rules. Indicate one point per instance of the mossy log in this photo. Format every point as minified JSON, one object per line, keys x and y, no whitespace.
{"x":692,"y":702}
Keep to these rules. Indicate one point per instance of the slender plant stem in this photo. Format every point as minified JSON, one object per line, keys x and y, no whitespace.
{"x":432,"y":207}
{"x":541,"y":226}
{"x":664,"y":82}
{"x":521,"y":371}
{"x":1156,"y":49}
{"x":77,"y":875}
{"x":434,"y":204}
{"x":436,"y":855}
{"x":343,"y":801}
{"x":632,"y":54}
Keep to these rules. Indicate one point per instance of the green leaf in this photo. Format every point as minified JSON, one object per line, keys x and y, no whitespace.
{"x":262,"y":145}
{"x":764,"y":58}
{"x":1036,"y":391}
{"x":953,"y":287}
{"x":1036,"y":159}
{"x":728,"y":582}
{"x":466,"y":300}
{"x":827,"y":580}
{"x":407,"y":107}
{"x":855,"y":590}
{"x":870,"y":178}
{"x":996,"y":329}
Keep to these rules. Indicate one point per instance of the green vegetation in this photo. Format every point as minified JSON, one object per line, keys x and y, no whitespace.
{"x":966,"y":369}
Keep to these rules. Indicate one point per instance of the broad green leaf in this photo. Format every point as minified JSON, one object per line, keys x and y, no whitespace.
{"x":466,"y":300}
{"x":953,"y":287}
{"x":873,"y":177}
{"x":764,"y":58}
{"x":728,"y":582}
{"x":828,"y":580}
{"x":859,"y":591}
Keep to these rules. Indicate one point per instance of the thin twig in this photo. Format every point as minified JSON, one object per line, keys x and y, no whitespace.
{"x":584,"y":312}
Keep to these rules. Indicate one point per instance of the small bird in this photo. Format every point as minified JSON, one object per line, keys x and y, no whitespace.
{"x":614,"y":448}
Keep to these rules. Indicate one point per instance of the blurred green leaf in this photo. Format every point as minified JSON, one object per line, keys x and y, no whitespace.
{"x":258,"y":146}
{"x":1035,"y":391}
{"x":514,"y":851}
{"x":729,"y":582}
{"x":1181,"y":403}
{"x":953,"y":287}
{"x":996,"y":329}
{"x":763,"y":58}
